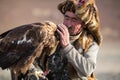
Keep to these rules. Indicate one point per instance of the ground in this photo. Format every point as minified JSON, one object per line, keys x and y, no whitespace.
{"x":15,"y":13}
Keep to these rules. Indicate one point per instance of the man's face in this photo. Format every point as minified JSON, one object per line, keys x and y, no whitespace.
{"x":73,"y":23}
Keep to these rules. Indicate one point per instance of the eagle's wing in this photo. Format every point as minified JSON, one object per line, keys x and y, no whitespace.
{"x":18,"y":44}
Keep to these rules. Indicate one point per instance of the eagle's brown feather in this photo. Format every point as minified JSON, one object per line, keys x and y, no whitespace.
{"x":19,"y":47}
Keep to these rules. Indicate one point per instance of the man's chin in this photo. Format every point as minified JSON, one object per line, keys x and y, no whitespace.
{"x":71,"y":34}
{"x":74,"y":34}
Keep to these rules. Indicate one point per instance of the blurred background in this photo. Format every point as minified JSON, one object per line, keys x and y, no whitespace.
{"x":14,"y":13}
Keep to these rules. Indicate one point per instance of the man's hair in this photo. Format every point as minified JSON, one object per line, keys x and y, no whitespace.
{"x":66,"y":6}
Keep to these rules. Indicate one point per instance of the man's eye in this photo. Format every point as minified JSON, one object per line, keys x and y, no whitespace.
{"x":74,"y":20}
{"x":67,"y":18}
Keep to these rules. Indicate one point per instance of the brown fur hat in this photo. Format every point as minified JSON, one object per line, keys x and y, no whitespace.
{"x":87,"y":11}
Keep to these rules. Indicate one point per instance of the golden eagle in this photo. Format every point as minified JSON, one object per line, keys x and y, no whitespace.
{"x":19,"y":47}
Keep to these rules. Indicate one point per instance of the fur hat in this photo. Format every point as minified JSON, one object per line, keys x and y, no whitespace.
{"x":87,"y":11}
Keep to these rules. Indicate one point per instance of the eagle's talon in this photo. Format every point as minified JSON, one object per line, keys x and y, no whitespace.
{"x":36,"y":73}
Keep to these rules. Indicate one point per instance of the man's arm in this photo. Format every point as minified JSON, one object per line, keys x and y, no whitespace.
{"x":86,"y":64}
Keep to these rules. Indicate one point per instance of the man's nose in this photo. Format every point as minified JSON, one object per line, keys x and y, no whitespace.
{"x":69,"y":24}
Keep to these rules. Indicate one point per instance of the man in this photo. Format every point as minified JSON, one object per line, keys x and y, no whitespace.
{"x":80,"y":37}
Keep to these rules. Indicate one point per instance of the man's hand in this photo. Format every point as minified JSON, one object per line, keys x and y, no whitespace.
{"x":64,"y":35}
